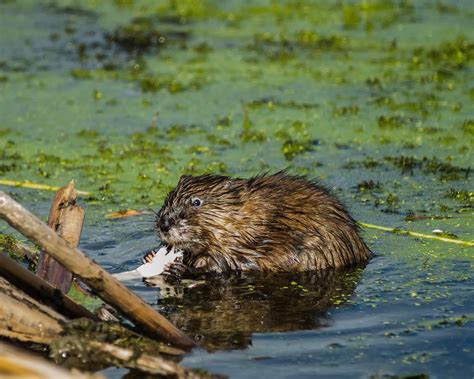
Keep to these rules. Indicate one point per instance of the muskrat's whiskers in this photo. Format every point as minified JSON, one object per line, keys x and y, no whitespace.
{"x":152,"y":211}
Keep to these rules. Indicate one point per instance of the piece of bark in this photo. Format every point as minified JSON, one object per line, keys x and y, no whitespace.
{"x":66,"y":219}
{"x":24,"y":318}
{"x":19,"y":363}
{"x":99,"y":280}
{"x":41,"y":290}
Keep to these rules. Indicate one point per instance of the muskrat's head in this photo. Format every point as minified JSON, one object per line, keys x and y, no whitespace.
{"x":198,"y":211}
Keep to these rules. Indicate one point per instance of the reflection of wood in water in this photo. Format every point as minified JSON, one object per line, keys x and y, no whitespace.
{"x":227,"y":311}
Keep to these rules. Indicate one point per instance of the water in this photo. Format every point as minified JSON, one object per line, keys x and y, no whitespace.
{"x":373,"y":97}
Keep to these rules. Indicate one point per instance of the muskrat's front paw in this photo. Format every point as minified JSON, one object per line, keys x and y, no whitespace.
{"x":148,"y":257}
{"x":174,"y":271}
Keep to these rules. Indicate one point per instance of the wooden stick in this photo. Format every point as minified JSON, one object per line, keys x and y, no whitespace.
{"x":120,"y":356}
{"x":66,"y":218}
{"x":106,"y":286}
{"x":40,"y":289}
{"x":416,"y":234}
{"x":24,"y":316}
{"x":19,"y":363}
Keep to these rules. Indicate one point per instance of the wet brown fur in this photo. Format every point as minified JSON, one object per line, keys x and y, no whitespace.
{"x":276,"y":223}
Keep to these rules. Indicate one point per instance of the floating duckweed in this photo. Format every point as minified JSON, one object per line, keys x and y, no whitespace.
{"x":282,"y":47}
{"x":217,"y":140}
{"x":272,"y":103}
{"x":390,"y":122}
{"x":4,"y":131}
{"x":373,"y":13}
{"x":97,"y":95}
{"x":345,"y":111}
{"x":369,"y":185}
{"x":140,"y":35}
{"x":248,"y":134}
{"x":296,"y":139}
{"x":224,"y":122}
{"x":124,"y":3}
{"x":452,"y":55}
{"x":426,"y":165}
{"x":368,"y":162}
{"x":468,"y":127}
{"x":219,"y":167}
{"x":87,"y":133}
{"x":391,"y":201}
{"x":203,"y":48}
{"x":463,"y":196}
{"x":199,"y":149}
{"x":291,"y":148}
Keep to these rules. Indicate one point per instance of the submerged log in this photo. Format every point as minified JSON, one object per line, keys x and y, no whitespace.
{"x":40,"y":289}
{"x":107,"y":287}
{"x":66,"y":219}
{"x":67,"y":349}
{"x":18,"y":363}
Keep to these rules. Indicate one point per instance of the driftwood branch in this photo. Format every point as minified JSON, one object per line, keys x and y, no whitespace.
{"x":17,"y":363}
{"x":66,"y":219}
{"x":40,"y":289}
{"x":107,"y":287}
{"x":116,"y":355}
{"x":25,"y":319}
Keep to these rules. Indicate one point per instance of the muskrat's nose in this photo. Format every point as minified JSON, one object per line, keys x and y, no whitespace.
{"x":164,"y":223}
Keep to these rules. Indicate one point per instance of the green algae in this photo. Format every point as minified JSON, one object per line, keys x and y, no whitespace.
{"x":445,"y":170}
{"x":463,"y":196}
{"x":372,"y":97}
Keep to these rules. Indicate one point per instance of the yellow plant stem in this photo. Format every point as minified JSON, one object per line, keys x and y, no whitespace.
{"x":38,"y":186}
{"x":415,"y":234}
{"x":27,"y":184}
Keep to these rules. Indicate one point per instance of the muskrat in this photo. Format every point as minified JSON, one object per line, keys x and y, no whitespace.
{"x":273,"y":223}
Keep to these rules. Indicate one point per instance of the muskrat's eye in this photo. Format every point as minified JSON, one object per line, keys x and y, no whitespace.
{"x":196,"y":202}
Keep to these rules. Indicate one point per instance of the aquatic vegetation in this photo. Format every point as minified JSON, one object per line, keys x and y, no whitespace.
{"x":391,"y":122}
{"x":463,"y":196}
{"x":249,"y":134}
{"x":346,"y":110}
{"x":367,"y":162}
{"x":446,"y":171}
{"x":468,"y":127}
{"x":374,"y":14}
{"x":138,"y":36}
{"x":369,"y":185}
{"x":373,"y":98}
{"x":282,"y":47}
{"x":448,"y":56}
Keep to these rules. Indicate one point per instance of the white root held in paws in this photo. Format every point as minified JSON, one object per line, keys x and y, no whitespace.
{"x":155,"y":267}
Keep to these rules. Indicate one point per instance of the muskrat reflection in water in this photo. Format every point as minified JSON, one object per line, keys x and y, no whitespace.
{"x":227,"y":310}
{"x":268,"y":223}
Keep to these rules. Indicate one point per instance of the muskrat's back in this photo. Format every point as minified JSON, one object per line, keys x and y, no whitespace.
{"x":272,"y":223}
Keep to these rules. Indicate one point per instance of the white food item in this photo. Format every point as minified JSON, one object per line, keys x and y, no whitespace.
{"x":163,"y":256}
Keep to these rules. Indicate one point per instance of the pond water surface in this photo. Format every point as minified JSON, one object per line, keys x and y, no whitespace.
{"x":373,"y":98}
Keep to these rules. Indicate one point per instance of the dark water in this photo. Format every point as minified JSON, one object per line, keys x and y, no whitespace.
{"x":374,"y":98}
{"x":405,"y":313}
